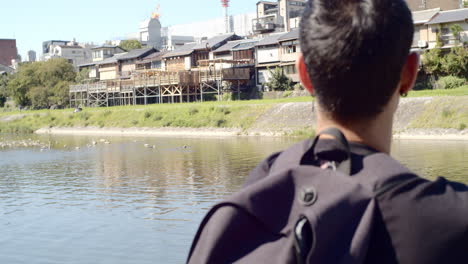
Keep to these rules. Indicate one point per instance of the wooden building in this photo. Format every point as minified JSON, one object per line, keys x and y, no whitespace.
{"x":128,"y":61}
{"x":188,"y":56}
{"x":289,"y":52}
{"x":153,"y":61}
{"x":267,"y":57}
{"x":442,"y":23}
{"x":235,"y":53}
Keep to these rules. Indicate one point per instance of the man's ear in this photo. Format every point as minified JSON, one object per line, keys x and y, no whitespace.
{"x":304,"y":74}
{"x":409,"y":73}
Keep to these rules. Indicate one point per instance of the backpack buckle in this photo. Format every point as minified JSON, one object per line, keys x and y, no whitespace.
{"x":329,"y":165}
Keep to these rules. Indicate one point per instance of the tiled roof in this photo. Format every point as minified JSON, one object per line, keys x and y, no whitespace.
{"x":105,"y":46}
{"x":157,"y":56}
{"x":213,"y":42}
{"x":246,"y":45}
{"x":450,"y":16}
{"x":270,"y":40}
{"x":421,"y":17}
{"x":111,"y":60}
{"x":137,"y":53}
{"x":188,"y":48}
{"x":184,"y":50}
{"x":237,"y":45}
{"x":228,"y":46}
{"x":87,"y":64}
{"x":293,"y":34}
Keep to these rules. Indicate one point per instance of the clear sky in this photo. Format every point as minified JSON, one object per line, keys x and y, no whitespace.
{"x":31,"y":22}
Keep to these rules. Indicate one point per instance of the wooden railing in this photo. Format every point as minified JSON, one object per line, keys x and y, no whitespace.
{"x":152,"y":78}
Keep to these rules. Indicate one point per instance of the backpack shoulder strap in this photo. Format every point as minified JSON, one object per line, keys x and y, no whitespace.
{"x":304,"y":153}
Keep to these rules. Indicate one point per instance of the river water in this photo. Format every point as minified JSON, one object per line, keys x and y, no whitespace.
{"x":123,"y":202}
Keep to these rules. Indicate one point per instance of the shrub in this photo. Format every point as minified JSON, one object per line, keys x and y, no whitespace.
{"x":298,"y":87}
{"x":462,"y":126}
{"x":286,"y":94}
{"x":440,"y":63}
{"x":220,"y":122}
{"x":279,"y":81}
{"x":84,"y":116}
{"x":193,"y":111}
{"x":147,"y":115}
{"x":224,"y":110}
{"x":227,"y":96}
{"x":450,"y":82}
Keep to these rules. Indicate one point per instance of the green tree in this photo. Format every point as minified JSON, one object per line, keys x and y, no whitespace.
{"x":279,"y":81}
{"x":4,"y":79}
{"x":130,"y":44}
{"x":60,"y":94}
{"x":456,"y":29}
{"x":439,"y":63}
{"x":39,"y":97}
{"x":82,"y":75}
{"x":42,"y":84}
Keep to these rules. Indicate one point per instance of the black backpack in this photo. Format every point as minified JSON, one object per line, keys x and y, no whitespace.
{"x":303,"y":210}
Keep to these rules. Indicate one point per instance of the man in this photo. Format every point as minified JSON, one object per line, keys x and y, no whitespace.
{"x":356,"y":61}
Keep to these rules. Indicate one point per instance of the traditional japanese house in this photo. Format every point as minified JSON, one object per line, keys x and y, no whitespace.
{"x":153,"y":61}
{"x":268,"y":57}
{"x":127,"y":62}
{"x":289,"y":52}
{"x":109,"y":69}
{"x":188,"y":56}
{"x":235,"y":53}
{"x":442,"y":25}
{"x":421,"y":29}
{"x":179,"y":59}
{"x":105,"y":51}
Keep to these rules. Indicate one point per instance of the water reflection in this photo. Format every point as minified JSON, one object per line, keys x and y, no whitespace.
{"x":125,"y":203}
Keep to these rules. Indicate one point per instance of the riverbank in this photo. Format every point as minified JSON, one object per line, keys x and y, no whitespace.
{"x":437,"y":117}
{"x":415,"y":134}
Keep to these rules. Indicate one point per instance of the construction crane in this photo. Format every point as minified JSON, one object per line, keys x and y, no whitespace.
{"x":225,"y":4}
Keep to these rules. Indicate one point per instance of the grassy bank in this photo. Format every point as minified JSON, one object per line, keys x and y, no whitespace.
{"x":462,"y":91}
{"x":448,"y":109}
{"x":443,"y":112}
{"x":234,"y":114}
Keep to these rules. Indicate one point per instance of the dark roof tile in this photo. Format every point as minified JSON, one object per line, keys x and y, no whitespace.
{"x":450,"y":16}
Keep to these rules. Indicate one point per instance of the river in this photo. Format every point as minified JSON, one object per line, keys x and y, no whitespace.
{"x":124,"y":202}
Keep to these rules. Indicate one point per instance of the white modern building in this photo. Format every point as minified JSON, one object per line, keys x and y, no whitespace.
{"x":74,"y":52}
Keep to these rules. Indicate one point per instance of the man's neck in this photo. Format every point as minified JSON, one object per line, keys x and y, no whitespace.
{"x":376,"y":133}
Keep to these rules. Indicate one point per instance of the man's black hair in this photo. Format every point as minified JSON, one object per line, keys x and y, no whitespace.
{"x":354,"y":51}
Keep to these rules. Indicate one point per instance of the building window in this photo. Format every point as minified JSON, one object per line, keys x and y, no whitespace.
{"x":290,"y":49}
{"x":290,"y":69}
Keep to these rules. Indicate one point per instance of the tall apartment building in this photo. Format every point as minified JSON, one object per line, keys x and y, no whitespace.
{"x":417,"y":5}
{"x":279,"y":16}
{"x":8,"y":51}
